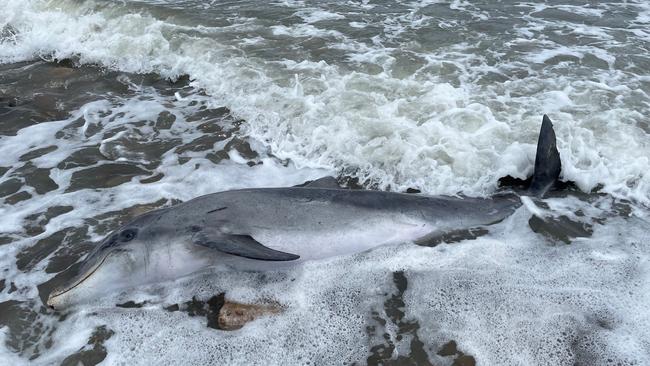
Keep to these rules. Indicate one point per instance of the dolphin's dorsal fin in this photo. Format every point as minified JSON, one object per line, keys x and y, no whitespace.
{"x":240,"y":245}
{"x":325,"y":182}
{"x":547,"y":160}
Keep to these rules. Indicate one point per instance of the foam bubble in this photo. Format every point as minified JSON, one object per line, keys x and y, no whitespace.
{"x":317,"y":15}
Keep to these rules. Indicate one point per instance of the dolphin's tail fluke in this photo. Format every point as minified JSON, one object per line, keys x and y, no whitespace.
{"x":547,"y":161}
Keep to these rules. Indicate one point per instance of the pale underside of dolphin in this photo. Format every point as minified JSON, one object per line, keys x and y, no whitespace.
{"x":265,"y":228}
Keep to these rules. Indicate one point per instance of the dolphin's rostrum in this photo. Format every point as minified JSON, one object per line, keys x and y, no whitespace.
{"x":257,"y":229}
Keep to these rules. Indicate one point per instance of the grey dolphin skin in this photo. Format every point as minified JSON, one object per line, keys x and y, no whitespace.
{"x":266,"y":228}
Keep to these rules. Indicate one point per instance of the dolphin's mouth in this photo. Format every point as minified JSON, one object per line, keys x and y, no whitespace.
{"x":80,"y":279}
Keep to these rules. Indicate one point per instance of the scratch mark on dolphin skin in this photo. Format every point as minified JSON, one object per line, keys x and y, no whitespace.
{"x":217,"y":209}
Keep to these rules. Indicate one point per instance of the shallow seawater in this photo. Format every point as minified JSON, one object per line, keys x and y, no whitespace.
{"x":111,"y":109}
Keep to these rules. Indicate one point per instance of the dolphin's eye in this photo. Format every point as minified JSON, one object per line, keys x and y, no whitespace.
{"x":128,"y":235}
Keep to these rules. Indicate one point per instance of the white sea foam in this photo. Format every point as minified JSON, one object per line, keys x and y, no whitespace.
{"x":564,"y":300}
{"x":317,"y":15}
{"x":364,"y":124}
{"x":582,"y":10}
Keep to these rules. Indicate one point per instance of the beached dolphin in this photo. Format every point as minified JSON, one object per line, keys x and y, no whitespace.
{"x":258,"y":229}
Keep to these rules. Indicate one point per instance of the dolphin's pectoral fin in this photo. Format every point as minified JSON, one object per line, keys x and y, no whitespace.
{"x":246,"y":246}
{"x":325,"y":182}
{"x":242,"y":246}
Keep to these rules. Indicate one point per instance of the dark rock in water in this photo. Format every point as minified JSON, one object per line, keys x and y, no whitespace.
{"x":621,"y":208}
{"x":135,"y":146}
{"x":212,"y":127}
{"x":521,"y":185}
{"x":210,"y":114}
{"x":5,"y":240}
{"x":18,"y":197}
{"x":35,"y":223}
{"x":67,"y":63}
{"x":242,"y":147}
{"x":416,"y":353}
{"x":448,"y":349}
{"x":12,"y":102}
{"x":165,"y":121}
{"x":72,"y":247}
{"x":383,"y":354}
{"x":10,"y":186}
{"x":93,"y":352}
{"x":203,"y":143}
{"x":104,"y":176}
{"x":84,"y":157}
{"x":195,"y":307}
{"x":28,"y":258}
{"x":172,"y":308}
{"x":350,"y":182}
{"x":39,"y":178}
{"x":464,"y":360}
{"x":154,"y":178}
{"x":24,"y":332}
{"x":131,"y":305}
{"x":2,"y":284}
{"x":514,"y":183}
{"x":181,"y":80}
{"x":37,"y":153}
{"x":217,"y":157}
{"x":560,"y":228}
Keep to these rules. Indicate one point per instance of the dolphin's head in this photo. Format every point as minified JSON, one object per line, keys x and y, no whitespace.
{"x":110,"y":265}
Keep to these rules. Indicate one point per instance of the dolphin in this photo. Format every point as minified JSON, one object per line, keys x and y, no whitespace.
{"x":267,"y":228}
